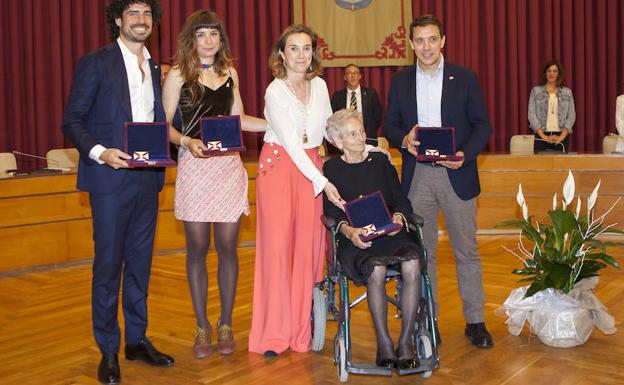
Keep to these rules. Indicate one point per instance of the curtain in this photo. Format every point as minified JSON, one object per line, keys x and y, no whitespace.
{"x":505,"y":42}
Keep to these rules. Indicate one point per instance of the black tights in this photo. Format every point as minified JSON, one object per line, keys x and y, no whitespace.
{"x":197,"y":244}
{"x":410,"y":294}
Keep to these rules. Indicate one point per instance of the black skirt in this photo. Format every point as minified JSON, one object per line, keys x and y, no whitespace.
{"x":384,"y":251}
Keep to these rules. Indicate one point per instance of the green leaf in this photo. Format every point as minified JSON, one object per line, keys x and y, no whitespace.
{"x":562,"y":220}
{"x":605,"y":257}
{"x":559,"y":275}
{"x":597,"y":243}
{"x":613,"y":231}
{"x":590,"y":269}
{"x":514,"y":223}
{"x":534,"y":288}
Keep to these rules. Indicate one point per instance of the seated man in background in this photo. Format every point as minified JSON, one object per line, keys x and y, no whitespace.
{"x":361,"y":99}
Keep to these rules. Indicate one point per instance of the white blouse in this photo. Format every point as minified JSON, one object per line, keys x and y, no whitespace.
{"x":286,"y":119}
{"x":619,"y":122}
{"x":552,"y":121}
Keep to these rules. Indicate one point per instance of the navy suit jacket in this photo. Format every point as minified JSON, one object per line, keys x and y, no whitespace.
{"x":371,"y":109}
{"x":97,"y":108}
{"x":462,"y":107}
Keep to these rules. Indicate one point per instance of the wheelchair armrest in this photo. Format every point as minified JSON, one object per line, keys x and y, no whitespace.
{"x":328,"y":222}
{"x":416,"y":220}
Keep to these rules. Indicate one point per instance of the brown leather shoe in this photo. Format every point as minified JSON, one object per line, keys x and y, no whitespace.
{"x":225,"y":339}
{"x":202,"y":347}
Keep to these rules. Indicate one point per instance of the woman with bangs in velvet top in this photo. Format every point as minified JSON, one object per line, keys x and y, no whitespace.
{"x":209,"y":189}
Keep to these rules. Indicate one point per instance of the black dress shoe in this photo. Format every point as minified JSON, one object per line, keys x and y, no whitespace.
{"x":108,"y":370}
{"x":269,"y":354}
{"x":145,"y":351}
{"x":479,"y":336}
{"x":385,"y":362}
{"x":407,"y":363}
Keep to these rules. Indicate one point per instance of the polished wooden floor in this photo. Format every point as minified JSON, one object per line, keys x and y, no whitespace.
{"x":45,"y":333}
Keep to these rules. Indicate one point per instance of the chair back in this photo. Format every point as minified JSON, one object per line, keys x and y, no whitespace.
{"x":322,"y":150}
{"x":609,"y":143}
{"x":521,"y":145}
{"x":63,"y":158}
{"x":383,"y":143}
{"x":7,"y":162}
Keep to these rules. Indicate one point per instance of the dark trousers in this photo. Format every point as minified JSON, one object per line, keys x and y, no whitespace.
{"x":124,"y":223}
{"x":540,"y":145}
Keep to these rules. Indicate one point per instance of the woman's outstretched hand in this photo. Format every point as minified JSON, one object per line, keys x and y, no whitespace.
{"x":334,"y":197}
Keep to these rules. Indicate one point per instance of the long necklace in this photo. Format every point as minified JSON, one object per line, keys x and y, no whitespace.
{"x":303,"y":109}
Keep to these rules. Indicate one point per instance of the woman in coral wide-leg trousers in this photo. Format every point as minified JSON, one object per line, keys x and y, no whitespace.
{"x":289,"y":253}
{"x":289,"y":233}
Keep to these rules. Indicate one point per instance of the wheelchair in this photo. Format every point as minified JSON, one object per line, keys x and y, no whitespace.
{"x":325,"y":307}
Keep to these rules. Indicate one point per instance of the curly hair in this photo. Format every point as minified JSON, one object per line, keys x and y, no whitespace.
{"x":186,"y":57}
{"x":115,"y":9}
{"x":276,"y":63}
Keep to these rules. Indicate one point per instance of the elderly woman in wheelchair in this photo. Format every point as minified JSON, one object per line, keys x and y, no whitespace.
{"x":357,"y":173}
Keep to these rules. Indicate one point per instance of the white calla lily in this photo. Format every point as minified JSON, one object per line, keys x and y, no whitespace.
{"x":525,"y":211}
{"x":568,"y":190}
{"x":591,"y":201}
{"x":578,"y":207}
{"x":555,"y":202}
{"x":520,"y":196}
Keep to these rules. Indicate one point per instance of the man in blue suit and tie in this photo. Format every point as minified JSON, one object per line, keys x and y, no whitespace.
{"x":436,"y":93}
{"x":115,"y":84}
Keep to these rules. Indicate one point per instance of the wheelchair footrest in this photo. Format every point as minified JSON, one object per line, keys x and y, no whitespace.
{"x":364,"y":368}
{"x":425,"y":366}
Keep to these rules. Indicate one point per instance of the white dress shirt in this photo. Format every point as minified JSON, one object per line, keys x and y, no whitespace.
{"x":282,"y":110}
{"x":429,"y":96}
{"x":141,"y":91}
{"x":358,"y":97}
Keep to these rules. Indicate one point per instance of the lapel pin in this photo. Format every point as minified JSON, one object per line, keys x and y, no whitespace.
{"x":451,"y":77}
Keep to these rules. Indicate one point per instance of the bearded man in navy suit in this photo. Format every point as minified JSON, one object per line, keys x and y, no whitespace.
{"x":436,"y":93}
{"x":113,"y":85}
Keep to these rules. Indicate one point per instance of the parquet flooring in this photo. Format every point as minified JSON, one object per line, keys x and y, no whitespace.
{"x":45,"y":333}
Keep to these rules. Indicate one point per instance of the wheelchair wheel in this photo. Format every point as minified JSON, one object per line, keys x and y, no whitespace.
{"x":424,"y":350}
{"x":319,"y":316}
{"x":340,"y":357}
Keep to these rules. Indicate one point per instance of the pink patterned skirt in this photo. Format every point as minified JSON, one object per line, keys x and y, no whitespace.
{"x":211,"y":189}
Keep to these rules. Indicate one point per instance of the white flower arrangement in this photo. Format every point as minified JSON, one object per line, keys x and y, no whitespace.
{"x":567,"y":250}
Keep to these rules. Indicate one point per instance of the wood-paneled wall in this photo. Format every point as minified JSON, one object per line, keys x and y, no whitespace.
{"x":46,"y":221}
